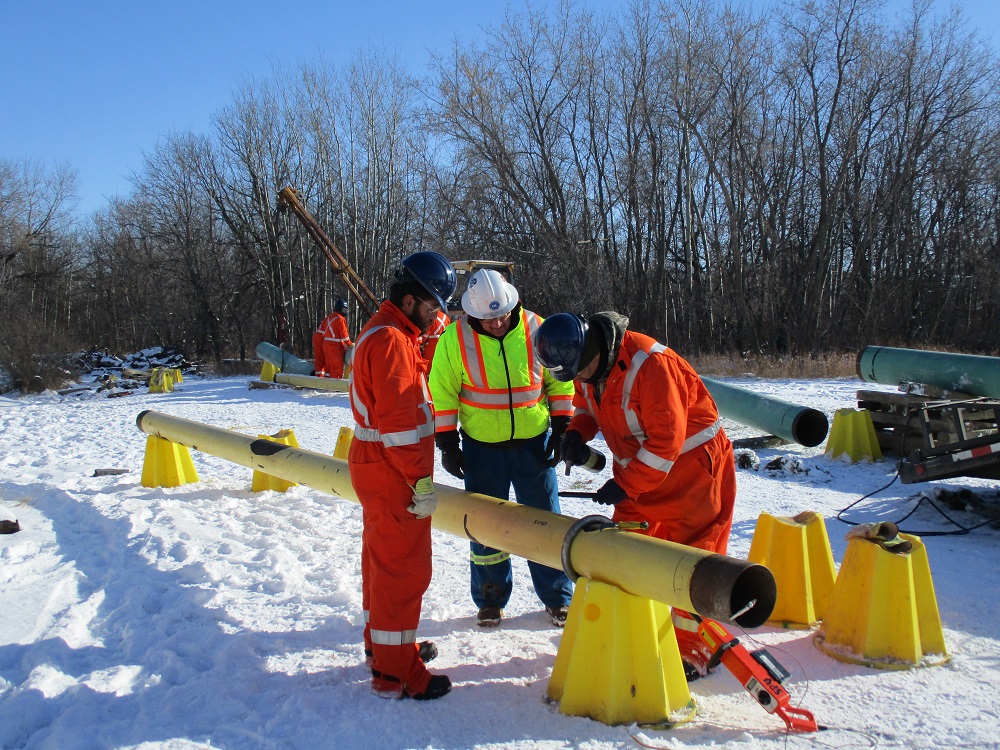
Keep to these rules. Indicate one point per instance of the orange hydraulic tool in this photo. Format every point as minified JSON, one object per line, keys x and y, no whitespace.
{"x":758,"y":672}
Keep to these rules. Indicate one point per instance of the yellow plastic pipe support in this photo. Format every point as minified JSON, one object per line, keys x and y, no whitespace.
{"x":267,"y":372}
{"x":261,"y":481}
{"x":311,"y":381}
{"x":853,"y":436}
{"x":161,"y":381}
{"x":883,"y":612}
{"x":709,"y":584}
{"x":343,"y":447}
{"x":166,"y":464}
{"x":618,"y":661}
{"x":797,"y":549}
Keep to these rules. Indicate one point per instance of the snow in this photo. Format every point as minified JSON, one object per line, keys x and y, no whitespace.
{"x":208,"y":616}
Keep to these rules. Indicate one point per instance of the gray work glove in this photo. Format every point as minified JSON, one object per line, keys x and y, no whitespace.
{"x":425,"y":500}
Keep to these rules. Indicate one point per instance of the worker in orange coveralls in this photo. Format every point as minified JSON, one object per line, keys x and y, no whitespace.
{"x":331,"y":341}
{"x":428,"y":342}
{"x":674,"y":466}
{"x":392,"y":464}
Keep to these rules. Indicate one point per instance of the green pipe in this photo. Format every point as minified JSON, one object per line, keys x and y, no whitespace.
{"x":799,"y":424}
{"x":966,"y":373}
{"x":284,"y":361}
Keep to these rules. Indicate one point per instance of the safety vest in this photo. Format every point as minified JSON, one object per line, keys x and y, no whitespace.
{"x":495,"y":388}
{"x":428,"y":341}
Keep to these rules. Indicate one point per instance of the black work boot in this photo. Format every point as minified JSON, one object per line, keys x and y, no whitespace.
{"x":438,"y":686}
{"x":426,"y":650}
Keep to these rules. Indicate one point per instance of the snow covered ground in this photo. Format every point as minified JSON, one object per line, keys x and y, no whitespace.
{"x":210,"y":616}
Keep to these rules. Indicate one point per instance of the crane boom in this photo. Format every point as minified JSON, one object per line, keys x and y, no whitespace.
{"x":288,"y":197}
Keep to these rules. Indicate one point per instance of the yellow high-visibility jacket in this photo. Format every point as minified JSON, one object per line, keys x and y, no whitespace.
{"x":495,"y":388}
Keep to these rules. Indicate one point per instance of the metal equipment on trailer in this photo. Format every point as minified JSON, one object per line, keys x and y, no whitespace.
{"x":943,"y":422}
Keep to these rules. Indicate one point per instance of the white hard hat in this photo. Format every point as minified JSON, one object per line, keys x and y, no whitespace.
{"x":489,"y":296}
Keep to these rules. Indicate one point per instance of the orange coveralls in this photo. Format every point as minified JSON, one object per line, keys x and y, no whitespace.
{"x":671,"y":454}
{"x":393,"y":447}
{"x":428,"y":342}
{"x":330,"y":342}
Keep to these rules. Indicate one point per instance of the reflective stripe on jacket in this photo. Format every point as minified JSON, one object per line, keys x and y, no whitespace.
{"x":495,"y":388}
{"x":334,"y":329}
{"x":428,"y":341}
{"x":653,"y":409}
{"x":389,"y":394}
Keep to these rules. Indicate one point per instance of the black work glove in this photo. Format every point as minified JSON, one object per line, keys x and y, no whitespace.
{"x":451,"y":453}
{"x":610,"y":493}
{"x":553,"y":448}
{"x":574,"y":451}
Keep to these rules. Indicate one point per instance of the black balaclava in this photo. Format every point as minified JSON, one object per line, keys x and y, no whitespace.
{"x":604,"y":336}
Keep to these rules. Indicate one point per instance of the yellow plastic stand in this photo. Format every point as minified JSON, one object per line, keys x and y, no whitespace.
{"x":853,"y":435}
{"x":267,"y":372}
{"x":166,"y":464}
{"x":618,"y":661}
{"x":178,"y":377}
{"x":262,"y":481}
{"x":343,"y":447}
{"x":883,"y":612}
{"x":797,"y":551}
{"x":162,"y":380}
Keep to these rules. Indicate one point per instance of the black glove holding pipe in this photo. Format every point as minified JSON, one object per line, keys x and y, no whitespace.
{"x":575,"y":451}
{"x":611,"y":493}
{"x":451,"y":453}
{"x":553,"y":448}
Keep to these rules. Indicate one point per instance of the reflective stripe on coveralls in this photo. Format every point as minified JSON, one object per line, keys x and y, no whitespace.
{"x":392,"y":439}
{"x":632,"y":419}
{"x":390,"y":403}
{"x":499,"y":557}
{"x":692,"y":503}
{"x":330,"y":343}
{"x":428,"y":342}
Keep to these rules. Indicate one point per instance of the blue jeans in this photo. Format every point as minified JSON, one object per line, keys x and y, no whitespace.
{"x":491,"y":471}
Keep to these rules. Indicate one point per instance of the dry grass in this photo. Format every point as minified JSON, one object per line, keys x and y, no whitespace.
{"x":819,"y":366}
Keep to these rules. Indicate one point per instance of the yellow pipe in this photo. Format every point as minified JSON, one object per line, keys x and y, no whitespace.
{"x":311,"y":381}
{"x":712,"y":585}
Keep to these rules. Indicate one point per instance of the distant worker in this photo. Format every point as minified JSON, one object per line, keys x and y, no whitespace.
{"x":674,"y":465}
{"x":331,"y":342}
{"x":392,"y":465}
{"x":486,"y":378}
{"x":429,"y":341}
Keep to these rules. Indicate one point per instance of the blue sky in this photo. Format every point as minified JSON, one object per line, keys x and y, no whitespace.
{"x":93,"y":83}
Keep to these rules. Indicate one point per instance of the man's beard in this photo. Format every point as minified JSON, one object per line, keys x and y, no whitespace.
{"x":414,"y":317}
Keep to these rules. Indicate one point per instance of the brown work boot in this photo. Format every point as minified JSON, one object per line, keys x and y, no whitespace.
{"x":489,"y":617}
{"x":558,"y":615}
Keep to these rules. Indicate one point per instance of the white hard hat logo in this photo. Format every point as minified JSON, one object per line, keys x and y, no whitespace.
{"x":489,"y":295}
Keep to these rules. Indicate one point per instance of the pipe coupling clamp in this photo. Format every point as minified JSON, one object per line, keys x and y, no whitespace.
{"x":587,"y":523}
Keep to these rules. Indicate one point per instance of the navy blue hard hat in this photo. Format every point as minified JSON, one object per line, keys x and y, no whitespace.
{"x":559,"y":343}
{"x":432,"y":271}
{"x":340,"y":306}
